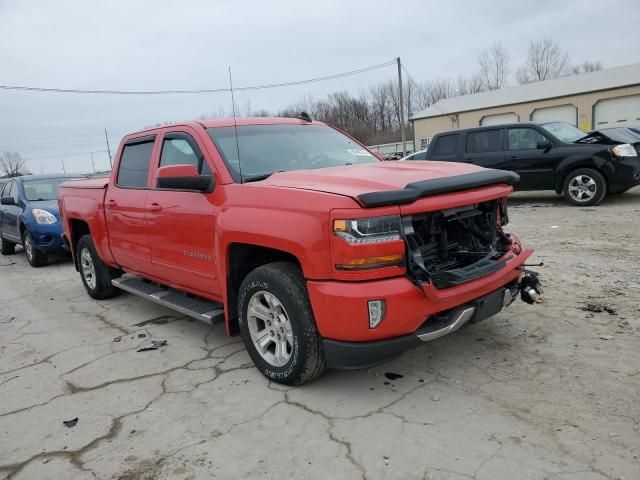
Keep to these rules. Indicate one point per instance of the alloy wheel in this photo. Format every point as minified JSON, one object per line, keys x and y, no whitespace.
{"x":87,"y":267}
{"x":270,"y":328}
{"x":582,"y":188}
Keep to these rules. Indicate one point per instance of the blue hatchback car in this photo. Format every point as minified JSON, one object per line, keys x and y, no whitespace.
{"x":29,"y":216}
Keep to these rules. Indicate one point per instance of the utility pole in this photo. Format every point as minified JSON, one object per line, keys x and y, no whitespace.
{"x":63,"y":169}
{"x":108,"y":148}
{"x":402,"y":132}
{"x":93,"y":163}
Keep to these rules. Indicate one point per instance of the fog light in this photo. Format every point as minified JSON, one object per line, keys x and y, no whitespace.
{"x":377,"y":311}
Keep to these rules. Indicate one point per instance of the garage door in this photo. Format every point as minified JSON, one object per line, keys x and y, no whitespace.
{"x":499,"y":119}
{"x":560,"y":113}
{"x":617,"y":112}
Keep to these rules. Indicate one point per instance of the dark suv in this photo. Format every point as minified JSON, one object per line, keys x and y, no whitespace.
{"x":550,"y":156}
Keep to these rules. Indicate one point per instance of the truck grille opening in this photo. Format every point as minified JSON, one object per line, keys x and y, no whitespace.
{"x":450,"y":247}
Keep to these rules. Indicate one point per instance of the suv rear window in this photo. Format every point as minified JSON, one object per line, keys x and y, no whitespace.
{"x":486,"y":141}
{"x":134,"y":165}
{"x":446,"y":145}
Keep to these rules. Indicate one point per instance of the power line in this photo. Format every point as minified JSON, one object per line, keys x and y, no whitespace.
{"x":197,"y":91}
{"x":51,"y":146}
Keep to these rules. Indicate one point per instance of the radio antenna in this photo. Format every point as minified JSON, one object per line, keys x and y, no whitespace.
{"x":235,"y":125}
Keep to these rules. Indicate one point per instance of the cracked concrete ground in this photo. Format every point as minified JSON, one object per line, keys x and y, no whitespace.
{"x":551,"y":391}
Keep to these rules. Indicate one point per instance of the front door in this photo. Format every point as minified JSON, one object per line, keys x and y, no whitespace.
{"x":181,"y":224}
{"x":126,"y":207}
{"x":534,"y":165}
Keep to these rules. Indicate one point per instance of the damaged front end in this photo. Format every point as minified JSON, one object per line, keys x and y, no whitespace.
{"x":450,"y":247}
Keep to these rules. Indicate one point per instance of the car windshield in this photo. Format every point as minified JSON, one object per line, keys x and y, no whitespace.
{"x":266,"y":149}
{"x":563,"y":131}
{"x":43,"y":189}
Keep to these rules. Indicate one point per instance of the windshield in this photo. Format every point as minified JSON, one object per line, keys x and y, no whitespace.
{"x":266,"y":149}
{"x":563,"y":131}
{"x":43,"y":189}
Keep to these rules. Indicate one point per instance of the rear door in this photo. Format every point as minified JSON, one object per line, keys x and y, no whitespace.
{"x":485,"y":148}
{"x":534,"y":165}
{"x":11,"y":213}
{"x":181,"y":224}
{"x":126,"y":206}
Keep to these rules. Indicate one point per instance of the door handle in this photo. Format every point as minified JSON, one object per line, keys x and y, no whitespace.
{"x":514,"y":157}
{"x":154,"y":207}
{"x":111,"y":203}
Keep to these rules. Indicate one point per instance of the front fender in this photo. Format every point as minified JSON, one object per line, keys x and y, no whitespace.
{"x":600,"y":161}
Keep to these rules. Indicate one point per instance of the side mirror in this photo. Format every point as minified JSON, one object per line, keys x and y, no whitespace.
{"x":183,"y":177}
{"x":8,"y":201}
{"x":545,"y":145}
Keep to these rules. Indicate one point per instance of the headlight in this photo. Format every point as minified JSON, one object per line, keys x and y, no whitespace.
{"x":43,"y":217}
{"x":624,"y":150}
{"x":368,"y":230}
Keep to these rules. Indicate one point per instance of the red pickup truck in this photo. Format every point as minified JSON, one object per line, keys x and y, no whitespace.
{"x":298,"y":237}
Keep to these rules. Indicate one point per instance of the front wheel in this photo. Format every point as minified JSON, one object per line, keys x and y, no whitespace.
{"x":277,"y":324}
{"x":584,"y":187}
{"x":96,"y":275}
{"x":35,"y":257}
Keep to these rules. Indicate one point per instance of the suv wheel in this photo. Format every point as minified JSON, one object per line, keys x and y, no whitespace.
{"x":7,"y":247}
{"x":96,"y":275}
{"x":34,"y":256}
{"x":277,"y":324}
{"x":584,"y":187}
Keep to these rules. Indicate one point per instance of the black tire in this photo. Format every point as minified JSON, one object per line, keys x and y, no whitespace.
{"x":35,"y":257}
{"x":594,"y":183}
{"x":7,"y":247}
{"x":285,"y":282}
{"x":98,"y":285}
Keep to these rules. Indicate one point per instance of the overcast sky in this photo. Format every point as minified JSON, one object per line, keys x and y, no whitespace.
{"x":155,"y":45}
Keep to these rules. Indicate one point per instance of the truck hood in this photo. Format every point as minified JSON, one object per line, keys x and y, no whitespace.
{"x":392,"y":183}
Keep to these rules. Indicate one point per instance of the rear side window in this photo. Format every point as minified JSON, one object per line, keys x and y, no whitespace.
{"x":134,"y":165}
{"x":446,"y":145}
{"x":486,"y":141}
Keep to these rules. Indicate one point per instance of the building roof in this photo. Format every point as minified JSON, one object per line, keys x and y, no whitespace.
{"x":557,"y":87}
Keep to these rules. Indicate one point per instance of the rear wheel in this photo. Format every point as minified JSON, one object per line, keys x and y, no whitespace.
{"x":277,"y":324}
{"x":96,"y":275}
{"x":7,"y":247}
{"x":35,"y":257}
{"x":584,"y":187}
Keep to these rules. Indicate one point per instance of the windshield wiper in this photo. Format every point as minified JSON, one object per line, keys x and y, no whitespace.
{"x":256,"y":178}
{"x":259,"y":176}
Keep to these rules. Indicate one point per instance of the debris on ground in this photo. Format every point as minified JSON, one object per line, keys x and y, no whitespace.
{"x":435,"y":398}
{"x":117,"y":339}
{"x":606,"y":337}
{"x":142,"y":335}
{"x":155,"y":345}
{"x":70,"y":423}
{"x":599,"y":308}
{"x":393,"y":376}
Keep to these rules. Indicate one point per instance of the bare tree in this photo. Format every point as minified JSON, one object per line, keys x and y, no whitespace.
{"x":495,"y":65}
{"x":544,"y":61}
{"x":13,"y":165}
{"x":586,"y":67}
{"x":468,"y":85}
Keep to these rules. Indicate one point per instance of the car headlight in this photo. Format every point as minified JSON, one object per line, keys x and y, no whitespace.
{"x":43,"y":217}
{"x":624,"y":150}
{"x":368,"y":230}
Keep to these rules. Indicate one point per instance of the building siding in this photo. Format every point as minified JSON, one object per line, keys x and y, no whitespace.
{"x":585,"y":103}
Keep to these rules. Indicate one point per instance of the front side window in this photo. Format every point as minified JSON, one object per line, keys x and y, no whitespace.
{"x":43,"y":189}
{"x":563,"y":131}
{"x":134,"y":165}
{"x":446,"y":145}
{"x":487,"y":141}
{"x":266,"y":149}
{"x":524,"y":139}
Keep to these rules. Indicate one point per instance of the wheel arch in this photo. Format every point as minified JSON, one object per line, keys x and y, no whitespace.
{"x":241,"y":259}
{"x":565,"y":170}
